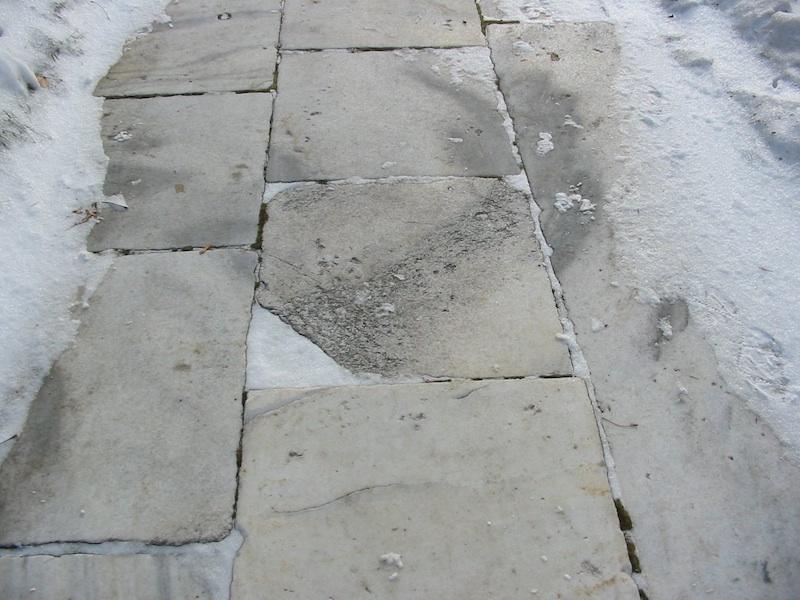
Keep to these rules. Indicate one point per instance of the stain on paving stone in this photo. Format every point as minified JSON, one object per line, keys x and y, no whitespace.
{"x":400,"y":278}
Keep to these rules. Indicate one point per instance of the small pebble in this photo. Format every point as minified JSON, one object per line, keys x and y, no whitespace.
{"x":567,"y":577}
{"x":544,"y":558}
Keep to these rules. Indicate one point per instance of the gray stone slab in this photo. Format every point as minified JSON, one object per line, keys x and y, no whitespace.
{"x":134,"y":433}
{"x":485,"y":490}
{"x":82,"y":576}
{"x":373,"y":114}
{"x":208,"y":46}
{"x":380,"y":24}
{"x":441,"y":278}
{"x":189,"y":167}
{"x":558,"y":82}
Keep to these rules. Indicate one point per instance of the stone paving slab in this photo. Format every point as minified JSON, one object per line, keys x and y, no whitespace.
{"x":380,"y":24}
{"x":208,"y":46}
{"x":441,"y":278}
{"x":190,"y":169}
{"x":558,"y":80}
{"x":83,"y":577}
{"x":134,"y":433}
{"x":485,"y":489}
{"x":346,"y":114}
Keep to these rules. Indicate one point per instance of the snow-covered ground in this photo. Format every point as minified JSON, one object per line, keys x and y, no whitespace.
{"x":51,"y":164}
{"x":707,"y":204}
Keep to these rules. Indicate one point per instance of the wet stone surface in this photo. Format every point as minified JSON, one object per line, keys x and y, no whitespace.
{"x":439,"y":278}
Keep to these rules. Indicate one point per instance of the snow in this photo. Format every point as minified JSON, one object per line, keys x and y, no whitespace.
{"x":542,"y":10}
{"x":706,"y":206}
{"x":392,"y":559}
{"x":52,"y":164}
{"x":545,"y":143}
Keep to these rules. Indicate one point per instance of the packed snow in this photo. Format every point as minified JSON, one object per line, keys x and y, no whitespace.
{"x":52,"y":53}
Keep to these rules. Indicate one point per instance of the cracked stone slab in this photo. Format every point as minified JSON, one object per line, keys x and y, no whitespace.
{"x":133,"y":435}
{"x":483,"y":489}
{"x":404,"y":112}
{"x":558,"y":80}
{"x":189,"y":167}
{"x":382,"y":24}
{"x":442,"y":277}
{"x":207,"y":46}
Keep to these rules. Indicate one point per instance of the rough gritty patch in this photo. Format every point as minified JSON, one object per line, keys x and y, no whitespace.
{"x":391,"y":278}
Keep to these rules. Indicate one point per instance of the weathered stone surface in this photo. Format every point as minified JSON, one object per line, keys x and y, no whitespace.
{"x":208,"y":46}
{"x":83,"y":576}
{"x":375,"y":114}
{"x":380,"y":24}
{"x":486,"y":490}
{"x":189,"y":167}
{"x":558,"y":82}
{"x":134,"y":434}
{"x":441,"y":278}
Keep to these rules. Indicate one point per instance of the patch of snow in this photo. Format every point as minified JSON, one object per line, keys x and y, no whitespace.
{"x":665,"y":327}
{"x":51,"y":164}
{"x":545,"y":143}
{"x":542,"y":10}
{"x":570,"y":122}
{"x":15,"y":76}
{"x":706,"y":208}
{"x":392,"y":559}
{"x":464,"y":64}
{"x":563,"y":202}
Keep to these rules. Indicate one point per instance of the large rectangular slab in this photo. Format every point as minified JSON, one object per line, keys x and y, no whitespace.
{"x":483,"y":489}
{"x":558,"y":80}
{"x":374,"y":114}
{"x":380,"y":24}
{"x":442,"y":278}
{"x":208,"y":46}
{"x":190,"y":169}
{"x":134,"y":433}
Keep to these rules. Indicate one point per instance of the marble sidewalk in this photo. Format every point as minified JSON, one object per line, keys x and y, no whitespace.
{"x":358,"y":178}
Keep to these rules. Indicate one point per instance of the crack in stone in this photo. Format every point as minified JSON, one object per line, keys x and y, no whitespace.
{"x":337,"y":499}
